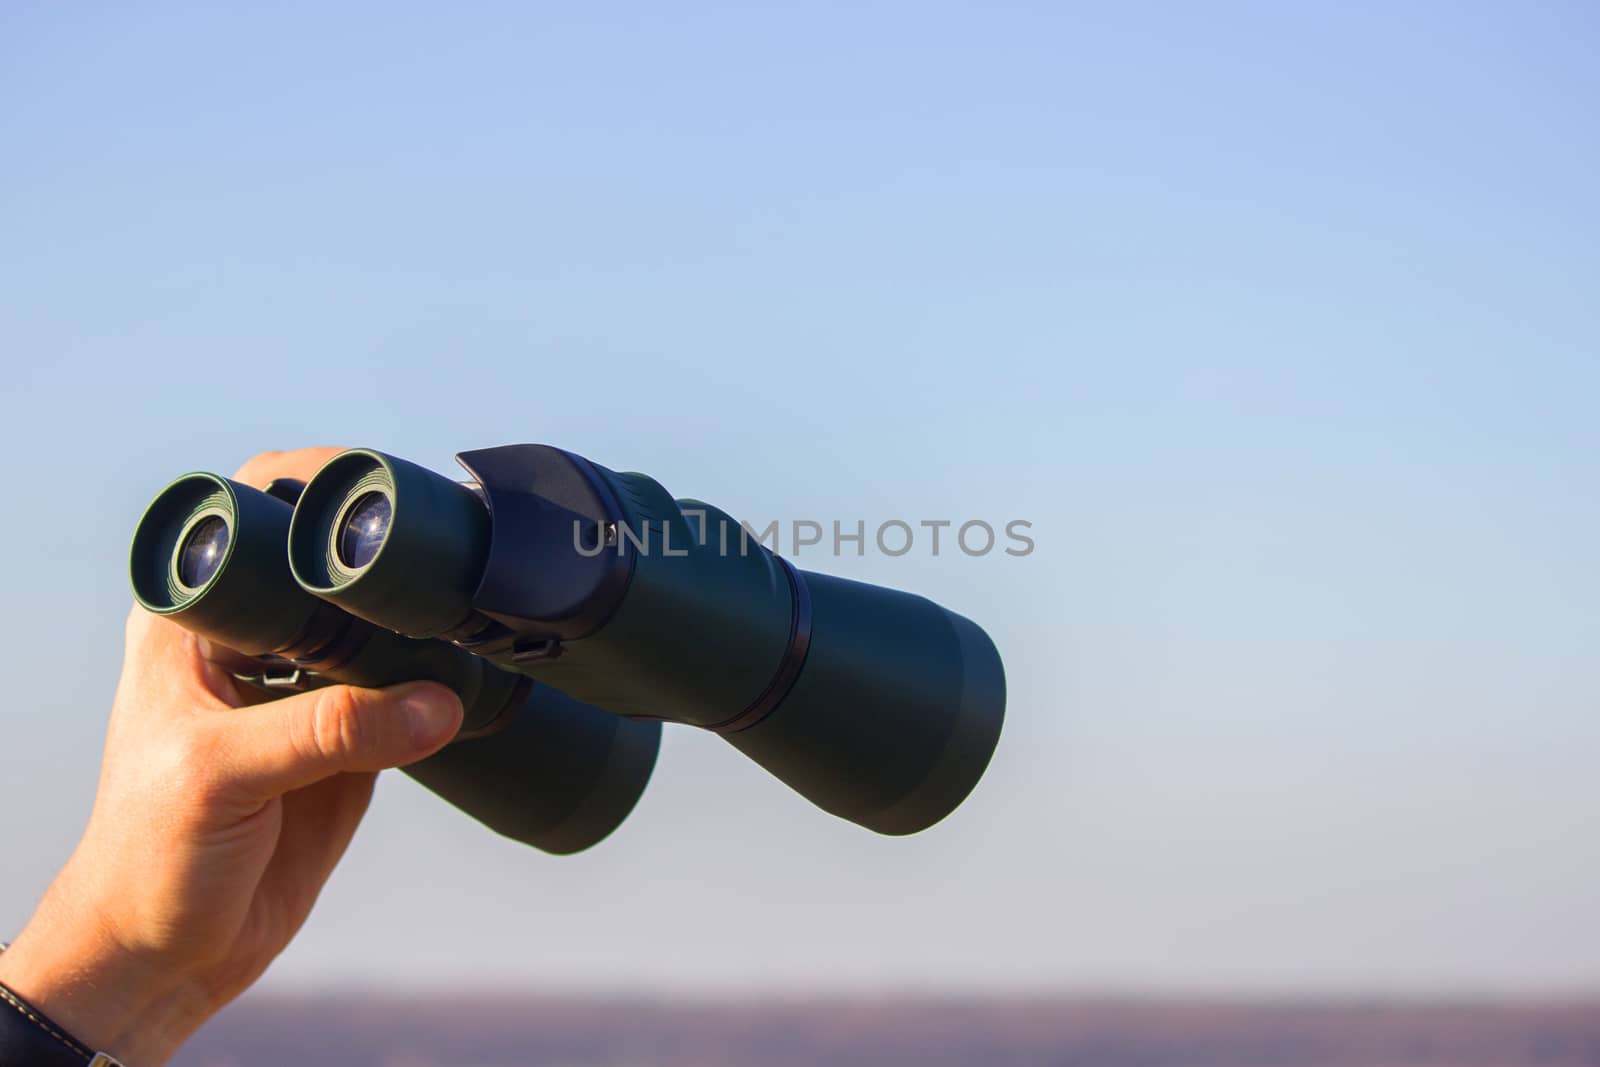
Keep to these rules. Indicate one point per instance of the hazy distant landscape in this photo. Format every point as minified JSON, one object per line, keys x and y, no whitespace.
{"x":545,"y":1032}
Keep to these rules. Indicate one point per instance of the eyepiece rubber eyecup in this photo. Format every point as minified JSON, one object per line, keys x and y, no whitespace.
{"x":416,"y":572}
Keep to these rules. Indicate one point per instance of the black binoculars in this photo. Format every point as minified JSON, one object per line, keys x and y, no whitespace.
{"x":574,"y":609}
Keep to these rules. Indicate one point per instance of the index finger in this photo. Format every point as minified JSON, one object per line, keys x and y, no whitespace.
{"x":300,"y":463}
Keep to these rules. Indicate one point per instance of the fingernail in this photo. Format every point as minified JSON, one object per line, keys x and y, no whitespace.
{"x":434,"y":714}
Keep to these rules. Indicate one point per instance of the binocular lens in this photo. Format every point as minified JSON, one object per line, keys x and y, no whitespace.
{"x":366,"y":524}
{"x":202,"y":551}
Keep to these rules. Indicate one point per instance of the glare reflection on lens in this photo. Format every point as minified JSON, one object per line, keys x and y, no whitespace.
{"x":365,"y":526}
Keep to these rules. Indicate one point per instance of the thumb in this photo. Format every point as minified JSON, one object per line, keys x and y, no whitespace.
{"x":293,"y":742}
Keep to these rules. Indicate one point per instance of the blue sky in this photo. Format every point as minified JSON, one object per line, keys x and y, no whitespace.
{"x":1278,"y":322}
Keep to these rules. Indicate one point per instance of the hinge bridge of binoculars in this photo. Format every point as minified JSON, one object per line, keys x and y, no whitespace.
{"x":279,"y":678}
{"x":536,"y":650}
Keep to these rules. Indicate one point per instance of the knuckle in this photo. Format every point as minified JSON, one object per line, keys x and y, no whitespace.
{"x":137,"y":631}
{"x":137,"y":622}
{"x":337,"y":729}
{"x":259,"y":462}
{"x":191,"y":763}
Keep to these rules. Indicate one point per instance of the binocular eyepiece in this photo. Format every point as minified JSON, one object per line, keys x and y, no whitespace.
{"x":616,"y":605}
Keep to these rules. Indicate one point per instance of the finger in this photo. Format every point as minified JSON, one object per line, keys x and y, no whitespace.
{"x":146,"y":635}
{"x":290,"y":743}
{"x":161,"y":657}
{"x":299,"y":463}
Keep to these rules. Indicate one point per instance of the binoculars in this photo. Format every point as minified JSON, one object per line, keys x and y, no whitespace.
{"x":575,"y":609}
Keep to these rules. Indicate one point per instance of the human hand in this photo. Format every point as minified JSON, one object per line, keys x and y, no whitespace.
{"x":218,"y":818}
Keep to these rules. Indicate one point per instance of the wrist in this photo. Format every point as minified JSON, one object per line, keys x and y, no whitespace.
{"x":105,"y":997}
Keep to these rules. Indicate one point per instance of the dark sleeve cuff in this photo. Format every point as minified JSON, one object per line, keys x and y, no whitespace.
{"x":28,"y":1037}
